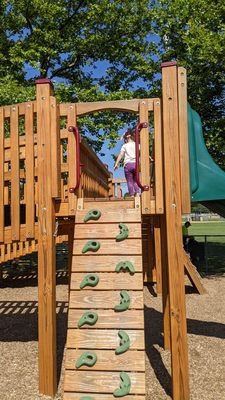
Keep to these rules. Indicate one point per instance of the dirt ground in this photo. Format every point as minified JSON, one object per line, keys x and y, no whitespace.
{"x":206,"y":334}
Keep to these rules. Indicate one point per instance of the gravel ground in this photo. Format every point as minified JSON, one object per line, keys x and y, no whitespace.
{"x":206,"y":334}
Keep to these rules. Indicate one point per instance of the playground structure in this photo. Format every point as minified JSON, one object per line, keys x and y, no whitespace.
{"x":45,"y":198}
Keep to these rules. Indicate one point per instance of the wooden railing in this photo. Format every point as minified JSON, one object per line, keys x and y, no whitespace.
{"x":19,"y":176}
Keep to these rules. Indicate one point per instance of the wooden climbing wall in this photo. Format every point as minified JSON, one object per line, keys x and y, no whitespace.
{"x":102,"y":338}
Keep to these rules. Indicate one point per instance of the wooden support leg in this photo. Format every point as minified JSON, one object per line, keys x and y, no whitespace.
{"x":165,"y":284}
{"x":46,"y":247}
{"x":158,"y":256}
{"x":70,"y":251}
{"x":179,"y":350}
{"x":192,"y":274}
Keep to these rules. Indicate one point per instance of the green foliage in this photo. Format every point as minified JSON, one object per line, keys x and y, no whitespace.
{"x":69,"y":41}
{"x":11,"y":91}
{"x":193,"y":33}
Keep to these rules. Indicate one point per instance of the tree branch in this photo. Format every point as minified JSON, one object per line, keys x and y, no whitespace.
{"x":67,"y":21}
{"x":58,"y":71}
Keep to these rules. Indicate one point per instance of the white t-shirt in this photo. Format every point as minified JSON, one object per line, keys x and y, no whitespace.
{"x":129,"y":152}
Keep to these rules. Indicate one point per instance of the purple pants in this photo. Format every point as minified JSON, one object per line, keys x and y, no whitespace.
{"x":130,"y":174}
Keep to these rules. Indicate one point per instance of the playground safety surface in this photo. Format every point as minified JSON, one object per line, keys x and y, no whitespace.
{"x":206,"y":335}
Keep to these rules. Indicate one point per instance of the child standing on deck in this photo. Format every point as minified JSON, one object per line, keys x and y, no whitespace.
{"x":128,"y":153}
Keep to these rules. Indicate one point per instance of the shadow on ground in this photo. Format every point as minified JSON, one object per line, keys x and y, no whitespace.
{"x":19,"y":323}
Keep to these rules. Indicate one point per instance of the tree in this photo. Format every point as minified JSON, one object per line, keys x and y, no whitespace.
{"x":193,"y":33}
{"x":68,"y":41}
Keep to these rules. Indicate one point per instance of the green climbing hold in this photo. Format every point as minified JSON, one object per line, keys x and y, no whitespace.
{"x":125,"y":266}
{"x":91,"y":245}
{"x":125,"y":386}
{"x":124,"y":342}
{"x":89,"y":280}
{"x":124,"y":232}
{"x":89,"y":318}
{"x":124,"y":301}
{"x":92,"y":215}
{"x":88,"y":359}
{"x":87,"y":398}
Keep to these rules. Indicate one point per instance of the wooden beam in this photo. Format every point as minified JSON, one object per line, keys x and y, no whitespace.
{"x":46,"y":246}
{"x":192,"y":274}
{"x":71,"y":154}
{"x":158,"y":253}
{"x":144,"y":158}
{"x":29,"y":164}
{"x":2,"y":175}
{"x":183,"y":142}
{"x":159,"y":206}
{"x":15,"y":173}
{"x":179,"y":350}
{"x":165,"y":284}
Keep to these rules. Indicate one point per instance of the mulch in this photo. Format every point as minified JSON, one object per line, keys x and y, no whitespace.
{"x":206,"y":334}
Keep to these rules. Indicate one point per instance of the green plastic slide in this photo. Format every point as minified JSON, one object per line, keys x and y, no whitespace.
{"x":207,"y":179}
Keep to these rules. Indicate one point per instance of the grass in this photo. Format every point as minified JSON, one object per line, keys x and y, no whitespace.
{"x":207,"y":228}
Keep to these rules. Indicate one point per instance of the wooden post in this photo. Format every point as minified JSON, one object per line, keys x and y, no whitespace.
{"x":2,"y":159}
{"x":15,"y":172}
{"x":144,"y":158}
{"x":179,"y":350}
{"x":158,"y":255}
{"x":46,"y":245}
{"x":29,"y":149}
{"x":165,"y":284}
{"x":183,"y":142}
{"x":72,"y":162}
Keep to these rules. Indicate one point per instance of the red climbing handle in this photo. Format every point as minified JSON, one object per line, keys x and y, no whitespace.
{"x":141,"y":125}
{"x":76,"y":132}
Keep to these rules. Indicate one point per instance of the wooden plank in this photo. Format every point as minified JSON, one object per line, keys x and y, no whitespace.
{"x":179,"y":350}
{"x":62,"y":209}
{"x":15,"y":173}
{"x":123,"y":105}
{"x":132,"y":360}
{"x":30,"y":212}
{"x":71,"y":157}
{"x":165,"y":284}
{"x":158,"y":255}
{"x":2,"y":113}
{"x":118,"y":215}
{"x":78,"y":396}
{"x":193,"y":274}
{"x":110,"y":231}
{"x":109,"y":246}
{"x":131,"y":319}
{"x":159,"y":205}
{"x":108,"y":204}
{"x":46,"y":247}
{"x":102,"y":339}
{"x":104,"y":263}
{"x":99,"y":382}
{"x":55,"y":148}
{"x":183,"y":141}
{"x":144,"y":158}
{"x":110,"y":281}
{"x":8,"y":233}
{"x":86,"y":299}
{"x":21,"y":109}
